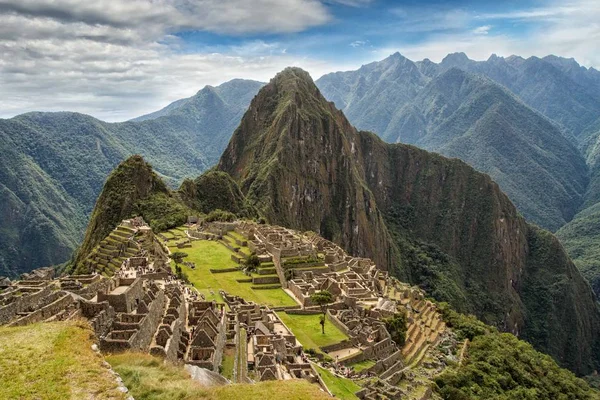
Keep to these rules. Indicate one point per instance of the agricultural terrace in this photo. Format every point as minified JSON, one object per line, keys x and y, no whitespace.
{"x":308,"y":330}
{"x":210,"y":255}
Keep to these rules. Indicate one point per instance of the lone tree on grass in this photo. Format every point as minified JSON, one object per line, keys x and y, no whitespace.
{"x":178,"y":257}
{"x":252,"y":263}
{"x":322,"y":298}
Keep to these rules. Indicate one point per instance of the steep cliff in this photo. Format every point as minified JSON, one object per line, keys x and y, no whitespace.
{"x":430,"y":219}
{"x":294,"y":155}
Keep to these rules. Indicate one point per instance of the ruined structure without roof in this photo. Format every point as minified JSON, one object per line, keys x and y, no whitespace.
{"x":133,"y":302}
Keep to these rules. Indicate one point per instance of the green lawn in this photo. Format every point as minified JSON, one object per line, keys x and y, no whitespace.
{"x":228,"y":361}
{"x":362,"y":365}
{"x":341,"y":387}
{"x":208,"y":254}
{"x":308,"y":330}
{"x":236,"y":235}
{"x":53,"y":361}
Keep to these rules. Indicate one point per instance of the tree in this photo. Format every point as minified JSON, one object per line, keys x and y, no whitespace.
{"x":396,"y":326}
{"x":322,"y":298}
{"x":252,"y":263}
{"x":178,"y":256}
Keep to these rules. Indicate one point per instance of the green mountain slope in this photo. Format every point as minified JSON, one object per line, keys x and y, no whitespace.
{"x":546,"y":85}
{"x":215,"y":190}
{"x":130,"y":190}
{"x":434,"y":221}
{"x":469,"y":117}
{"x":54,"y":166}
{"x":441,"y":108}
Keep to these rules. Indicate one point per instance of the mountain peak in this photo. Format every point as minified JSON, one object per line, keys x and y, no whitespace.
{"x":495,"y":58}
{"x":131,"y":181}
{"x":456,"y":59}
{"x":292,"y":74}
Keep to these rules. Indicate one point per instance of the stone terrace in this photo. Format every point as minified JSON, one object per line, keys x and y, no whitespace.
{"x":142,"y":306}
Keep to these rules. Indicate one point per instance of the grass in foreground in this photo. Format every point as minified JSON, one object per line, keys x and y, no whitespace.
{"x":53,"y":361}
{"x":149,"y":378}
{"x":208,"y":254}
{"x":341,"y":387}
{"x":308,"y":330}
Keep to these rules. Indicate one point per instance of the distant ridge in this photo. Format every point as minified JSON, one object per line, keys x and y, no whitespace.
{"x":54,"y":165}
{"x":445,"y":108}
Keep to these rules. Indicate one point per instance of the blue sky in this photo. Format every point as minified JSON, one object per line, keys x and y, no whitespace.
{"x":360,"y":31}
{"x":116,"y":59}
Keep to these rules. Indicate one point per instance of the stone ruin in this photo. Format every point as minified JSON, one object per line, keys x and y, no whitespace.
{"x":273,"y":353}
{"x":133,"y":302}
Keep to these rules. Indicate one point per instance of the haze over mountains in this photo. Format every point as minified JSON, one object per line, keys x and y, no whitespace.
{"x":442,"y":108}
{"x":531,"y":124}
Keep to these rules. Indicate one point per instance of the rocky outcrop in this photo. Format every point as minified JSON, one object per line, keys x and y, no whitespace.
{"x":421,"y":216}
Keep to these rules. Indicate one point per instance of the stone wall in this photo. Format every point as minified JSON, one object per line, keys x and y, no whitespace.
{"x":22,"y":304}
{"x":128,"y":300}
{"x":41,"y":314}
{"x":141,"y":337}
{"x":344,"y":344}
{"x":149,"y":325}
{"x":100,"y":315}
{"x":338,"y":324}
{"x":92,"y":289}
{"x":220,"y":344}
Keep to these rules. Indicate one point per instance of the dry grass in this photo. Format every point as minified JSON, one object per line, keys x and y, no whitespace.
{"x":149,"y":378}
{"x":53,"y":361}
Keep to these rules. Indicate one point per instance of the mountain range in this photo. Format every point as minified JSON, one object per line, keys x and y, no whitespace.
{"x":531,"y":124}
{"x":54,"y":165}
{"x":429,"y":220}
{"x":463,"y":108}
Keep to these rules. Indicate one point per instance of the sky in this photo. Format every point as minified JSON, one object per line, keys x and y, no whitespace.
{"x":118,"y":59}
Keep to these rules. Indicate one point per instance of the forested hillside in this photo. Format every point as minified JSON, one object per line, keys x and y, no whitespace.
{"x":54,"y":165}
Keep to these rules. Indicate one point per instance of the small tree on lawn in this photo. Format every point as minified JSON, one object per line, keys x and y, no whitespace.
{"x":252,"y":263}
{"x":396,"y":326}
{"x":178,"y":257}
{"x":322,"y":298}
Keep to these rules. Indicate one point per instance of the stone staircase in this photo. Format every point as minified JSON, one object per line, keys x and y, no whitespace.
{"x":113,"y":250}
{"x":425,"y":326}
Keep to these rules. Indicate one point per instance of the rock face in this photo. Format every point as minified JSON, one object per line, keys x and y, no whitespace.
{"x":432,"y":220}
{"x":294,"y":157}
{"x":461,"y":111}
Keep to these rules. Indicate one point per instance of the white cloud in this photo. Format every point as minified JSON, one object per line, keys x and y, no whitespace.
{"x":116,"y":59}
{"x":482,"y":30}
{"x":359,"y":43}
{"x":428,"y":19}
{"x":351,"y":3}
{"x":230,"y":17}
{"x":567,"y":29}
